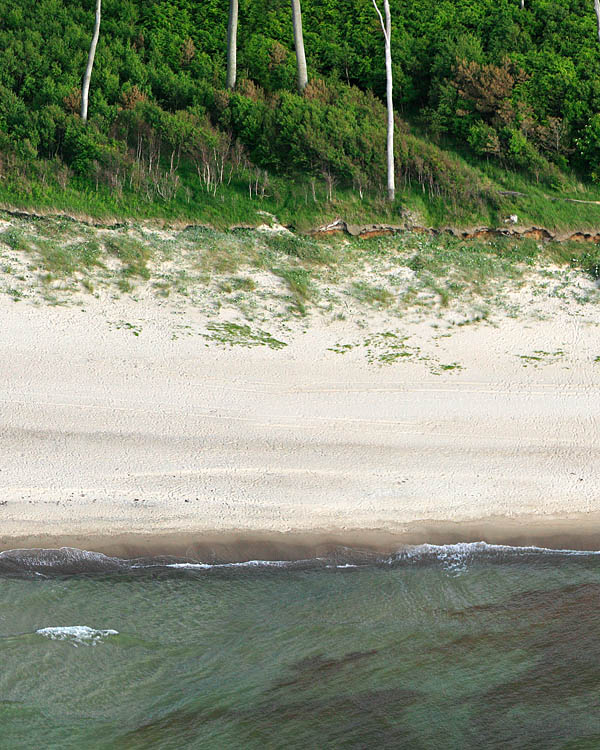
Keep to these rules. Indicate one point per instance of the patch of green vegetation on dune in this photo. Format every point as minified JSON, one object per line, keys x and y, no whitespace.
{"x":133,"y":254}
{"x":541,"y":357}
{"x":15,"y":239}
{"x":371,"y":294}
{"x":123,"y":325}
{"x":235,"y":334}
{"x":300,"y":285}
{"x":63,"y":259}
{"x":387,"y":348}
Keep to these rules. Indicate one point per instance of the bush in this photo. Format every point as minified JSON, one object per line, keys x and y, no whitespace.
{"x":588,"y":146}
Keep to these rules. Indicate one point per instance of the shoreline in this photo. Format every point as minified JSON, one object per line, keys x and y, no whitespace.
{"x":580,"y":532}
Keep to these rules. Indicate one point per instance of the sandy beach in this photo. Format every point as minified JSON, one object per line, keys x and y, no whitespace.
{"x":115,"y":436}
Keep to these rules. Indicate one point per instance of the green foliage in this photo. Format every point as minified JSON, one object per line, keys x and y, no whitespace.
{"x":300,"y":286}
{"x":63,"y":259}
{"x":14,"y":239}
{"x":579,"y":256}
{"x":590,"y":263}
{"x":372,"y":295}
{"x":481,"y":80}
{"x":588,"y":145}
{"x":302,"y":248}
{"x":234,"y":334}
{"x":132,"y":253}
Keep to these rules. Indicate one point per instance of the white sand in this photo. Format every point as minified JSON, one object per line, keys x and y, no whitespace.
{"x":105,"y":432}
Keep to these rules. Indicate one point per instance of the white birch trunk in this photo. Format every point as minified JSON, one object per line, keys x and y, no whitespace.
{"x":522,"y":4}
{"x":232,"y":44}
{"x":299,"y":44}
{"x":386,"y":26}
{"x":597,"y":9}
{"x":90,"y":63}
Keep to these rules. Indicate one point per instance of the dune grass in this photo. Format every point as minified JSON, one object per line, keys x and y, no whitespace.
{"x":294,"y":273}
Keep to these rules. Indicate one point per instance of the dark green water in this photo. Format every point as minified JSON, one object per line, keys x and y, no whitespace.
{"x":460,"y":647}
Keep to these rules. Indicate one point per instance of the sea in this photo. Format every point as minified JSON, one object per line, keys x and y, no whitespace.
{"x":460,"y":646}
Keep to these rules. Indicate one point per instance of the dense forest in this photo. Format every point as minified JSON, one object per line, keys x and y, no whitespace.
{"x":479,"y":85}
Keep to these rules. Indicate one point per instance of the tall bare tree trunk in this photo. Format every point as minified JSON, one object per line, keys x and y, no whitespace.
{"x":597,"y":8}
{"x":522,"y":4}
{"x":299,"y":44}
{"x":386,"y":27}
{"x":232,"y":44}
{"x":90,"y":63}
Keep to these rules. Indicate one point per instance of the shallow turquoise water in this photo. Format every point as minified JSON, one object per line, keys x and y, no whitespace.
{"x":456,"y":647}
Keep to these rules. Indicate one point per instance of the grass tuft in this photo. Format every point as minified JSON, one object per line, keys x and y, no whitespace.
{"x":234,"y":334}
{"x":300,"y":285}
{"x":371,"y":295}
{"x":133,"y":254}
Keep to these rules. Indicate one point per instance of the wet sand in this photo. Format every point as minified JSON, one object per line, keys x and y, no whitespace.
{"x":580,"y":532}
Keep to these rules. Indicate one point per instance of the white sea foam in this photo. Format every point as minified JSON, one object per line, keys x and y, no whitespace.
{"x":261,"y":564}
{"x":455,"y":558}
{"x":242,"y":564}
{"x":212,"y":566}
{"x":76,"y":634}
{"x":472,"y":548}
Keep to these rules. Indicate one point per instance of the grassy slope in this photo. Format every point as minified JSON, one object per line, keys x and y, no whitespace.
{"x":297,"y":204}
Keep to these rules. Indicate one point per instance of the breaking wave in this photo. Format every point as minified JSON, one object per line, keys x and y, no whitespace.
{"x":76,"y":635}
{"x":457,"y":558}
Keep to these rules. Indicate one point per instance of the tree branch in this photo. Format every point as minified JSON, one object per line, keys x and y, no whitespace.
{"x":381,"y":21}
